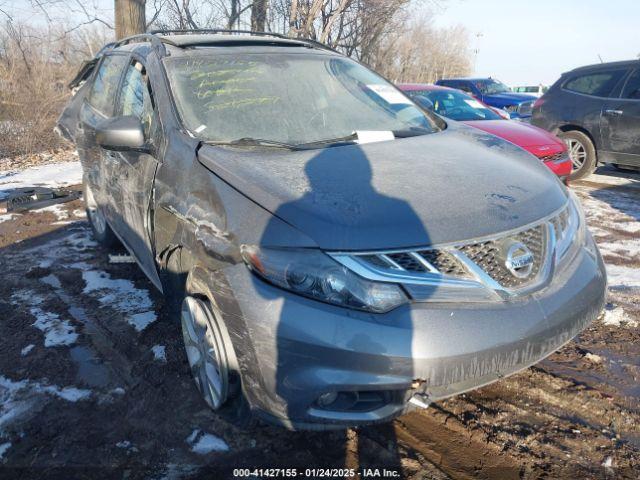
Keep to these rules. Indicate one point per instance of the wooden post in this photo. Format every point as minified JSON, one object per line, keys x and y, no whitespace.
{"x":130,"y":18}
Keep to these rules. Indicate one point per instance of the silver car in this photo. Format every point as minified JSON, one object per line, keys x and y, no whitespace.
{"x":336,"y":255}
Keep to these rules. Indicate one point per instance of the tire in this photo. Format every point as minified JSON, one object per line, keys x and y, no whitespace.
{"x":582,"y":153}
{"x":101,"y":230}
{"x":208,"y":357}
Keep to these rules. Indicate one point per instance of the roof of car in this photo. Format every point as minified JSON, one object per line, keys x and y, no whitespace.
{"x":598,"y":66}
{"x":421,"y":86}
{"x":466,"y":79}
{"x":175,"y":41}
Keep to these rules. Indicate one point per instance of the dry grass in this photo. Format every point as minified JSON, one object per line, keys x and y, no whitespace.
{"x":35,"y":68}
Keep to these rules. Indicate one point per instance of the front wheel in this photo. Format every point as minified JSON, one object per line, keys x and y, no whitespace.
{"x":581,"y":152}
{"x":209,"y":361}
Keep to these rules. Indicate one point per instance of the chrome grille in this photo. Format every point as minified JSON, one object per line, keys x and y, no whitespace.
{"x":525,"y":108}
{"x":490,"y":256}
{"x":502,"y":266}
{"x":444,"y":262}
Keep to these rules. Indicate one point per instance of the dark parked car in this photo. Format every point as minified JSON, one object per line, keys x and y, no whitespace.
{"x":338,"y":255}
{"x":495,"y":94}
{"x":596,"y":111}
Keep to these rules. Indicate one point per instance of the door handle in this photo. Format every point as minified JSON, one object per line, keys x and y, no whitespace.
{"x":613,"y":113}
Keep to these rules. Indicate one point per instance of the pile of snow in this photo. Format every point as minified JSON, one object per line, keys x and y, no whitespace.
{"x":204,"y":443}
{"x":52,"y":175}
{"x":122,"y":295}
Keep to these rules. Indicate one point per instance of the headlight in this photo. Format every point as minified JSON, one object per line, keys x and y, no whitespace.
{"x":570,"y":228}
{"x":314,"y":274}
{"x":512,"y":108}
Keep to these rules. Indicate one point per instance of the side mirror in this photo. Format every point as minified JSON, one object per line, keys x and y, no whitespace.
{"x":121,"y":133}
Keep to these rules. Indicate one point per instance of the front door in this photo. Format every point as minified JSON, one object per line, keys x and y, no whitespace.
{"x":98,"y":105}
{"x":620,"y":125}
{"x":137,"y":170}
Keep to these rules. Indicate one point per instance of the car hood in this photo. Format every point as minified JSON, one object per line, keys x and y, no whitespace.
{"x":522,"y":134}
{"x":510,"y":98}
{"x":449,"y":186}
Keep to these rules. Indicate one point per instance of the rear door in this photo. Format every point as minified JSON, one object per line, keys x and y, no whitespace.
{"x":588,"y":92}
{"x":97,"y":106}
{"x":137,"y":170}
{"x":620,"y":125}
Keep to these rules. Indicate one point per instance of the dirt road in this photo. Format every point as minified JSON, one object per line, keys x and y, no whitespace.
{"x":94,"y":382}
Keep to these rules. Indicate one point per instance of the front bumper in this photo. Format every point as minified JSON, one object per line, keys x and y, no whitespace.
{"x":302,"y":349}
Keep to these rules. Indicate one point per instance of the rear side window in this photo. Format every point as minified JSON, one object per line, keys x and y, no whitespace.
{"x":598,"y":84}
{"x":105,"y":84}
{"x":632,"y":88}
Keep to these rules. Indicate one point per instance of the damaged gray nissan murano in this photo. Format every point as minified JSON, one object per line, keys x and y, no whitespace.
{"x":336,"y":255}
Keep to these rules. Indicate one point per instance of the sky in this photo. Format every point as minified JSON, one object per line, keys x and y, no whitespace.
{"x":531,"y":42}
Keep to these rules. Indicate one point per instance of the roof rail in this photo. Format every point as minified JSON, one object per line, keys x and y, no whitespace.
{"x":212,"y":31}
{"x":156,"y":41}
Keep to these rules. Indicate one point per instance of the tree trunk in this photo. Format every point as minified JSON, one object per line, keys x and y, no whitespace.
{"x":259,"y":15}
{"x":130,"y":19}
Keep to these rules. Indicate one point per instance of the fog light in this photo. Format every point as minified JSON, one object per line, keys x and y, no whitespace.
{"x":327,"y":399}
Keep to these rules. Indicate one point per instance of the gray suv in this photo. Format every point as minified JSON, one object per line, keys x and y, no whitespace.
{"x":336,"y":255}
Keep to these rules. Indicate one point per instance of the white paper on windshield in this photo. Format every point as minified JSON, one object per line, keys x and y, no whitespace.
{"x":371,"y":136}
{"x":389,"y":94}
{"x":474,"y":103}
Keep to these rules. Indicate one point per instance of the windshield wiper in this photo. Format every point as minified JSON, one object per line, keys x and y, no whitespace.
{"x":254,"y":142}
{"x":411,"y":132}
{"x":331,"y":142}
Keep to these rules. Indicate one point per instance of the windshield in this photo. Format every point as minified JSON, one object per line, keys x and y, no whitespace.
{"x":288,"y":98}
{"x":491,"y":87}
{"x":454,"y":105}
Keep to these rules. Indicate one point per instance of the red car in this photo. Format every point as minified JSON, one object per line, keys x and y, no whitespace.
{"x":456,"y":105}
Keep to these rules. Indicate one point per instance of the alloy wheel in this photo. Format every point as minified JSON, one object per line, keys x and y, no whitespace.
{"x":577,"y":153}
{"x":203,"y":352}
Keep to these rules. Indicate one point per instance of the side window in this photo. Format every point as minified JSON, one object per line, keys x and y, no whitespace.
{"x":632,"y":88}
{"x":464,"y":87}
{"x":105,"y":83}
{"x":135,"y":98}
{"x":599,"y":84}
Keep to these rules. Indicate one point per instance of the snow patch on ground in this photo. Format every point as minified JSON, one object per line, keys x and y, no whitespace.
{"x":58,"y":210}
{"x":7,"y":216}
{"x":204,"y":443}
{"x":616,"y":316}
{"x":51,"y":175}
{"x":122,"y":295}
{"x":625,"y":248}
{"x":159,"y":353}
{"x":623,"y":277}
{"x":127,"y":445}
{"x":57,"y":331}
{"x":3,"y":449}
{"x":26,"y":349}
{"x":18,"y":397}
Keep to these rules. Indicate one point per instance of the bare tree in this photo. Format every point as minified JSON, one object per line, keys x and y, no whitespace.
{"x":129,"y":17}
{"x":259,"y":15}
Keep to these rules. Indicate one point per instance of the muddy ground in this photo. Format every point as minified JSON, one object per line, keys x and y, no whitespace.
{"x":94,"y":381}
